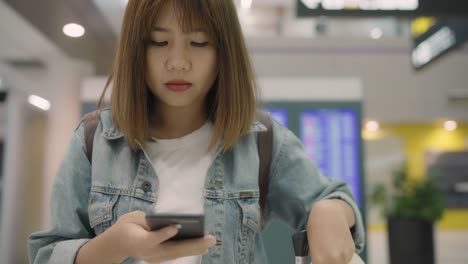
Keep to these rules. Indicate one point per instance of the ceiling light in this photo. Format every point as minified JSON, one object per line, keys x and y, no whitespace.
{"x":376,"y":33}
{"x":450,"y":125}
{"x":39,"y":102}
{"x":246,"y":4}
{"x":372,"y":126}
{"x":73,"y":30}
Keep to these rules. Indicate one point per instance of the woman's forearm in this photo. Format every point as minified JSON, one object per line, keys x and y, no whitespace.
{"x":338,"y":206}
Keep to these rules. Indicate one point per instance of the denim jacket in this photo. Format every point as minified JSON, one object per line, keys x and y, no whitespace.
{"x":86,"y":200}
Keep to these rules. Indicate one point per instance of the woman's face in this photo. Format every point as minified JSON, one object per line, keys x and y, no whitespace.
{"x":181,"y":67}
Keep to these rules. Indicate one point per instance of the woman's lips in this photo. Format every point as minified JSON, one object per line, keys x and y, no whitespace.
{"x":178,"y":86}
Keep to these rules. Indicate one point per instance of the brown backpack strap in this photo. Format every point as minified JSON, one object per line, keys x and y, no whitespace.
{"x":265,"y":150}
{"x":91,"y":121}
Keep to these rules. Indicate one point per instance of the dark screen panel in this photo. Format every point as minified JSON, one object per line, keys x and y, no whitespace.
{"x":412,"y":8}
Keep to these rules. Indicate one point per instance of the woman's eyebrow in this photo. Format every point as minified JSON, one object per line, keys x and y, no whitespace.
{"x":202,"y":30}
{"x":166,"y":30}
{"x":160,"y":29}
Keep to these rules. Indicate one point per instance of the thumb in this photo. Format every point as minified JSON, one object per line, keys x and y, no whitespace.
{"x":138,"y":218}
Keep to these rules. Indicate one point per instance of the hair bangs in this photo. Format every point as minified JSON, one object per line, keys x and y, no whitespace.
{"x":192,"y":16}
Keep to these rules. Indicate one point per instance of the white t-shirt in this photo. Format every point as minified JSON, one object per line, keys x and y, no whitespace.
{"x":182,"y":165}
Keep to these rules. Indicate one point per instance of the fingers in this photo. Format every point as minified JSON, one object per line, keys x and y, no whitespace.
{"x":163,"y":234}
{"x":189,"y":247}
{"x":138,"y":218}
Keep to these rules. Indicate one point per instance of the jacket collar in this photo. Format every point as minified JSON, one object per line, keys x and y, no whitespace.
{"x":112,"y":133}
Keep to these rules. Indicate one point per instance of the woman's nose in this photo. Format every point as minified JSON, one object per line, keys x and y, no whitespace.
{"x":178,"y":61}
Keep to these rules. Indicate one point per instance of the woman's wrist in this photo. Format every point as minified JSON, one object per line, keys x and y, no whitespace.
{"x":117,"y":244}
{"x":108,"y":247}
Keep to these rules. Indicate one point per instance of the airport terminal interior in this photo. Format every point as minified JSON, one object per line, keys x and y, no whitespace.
{"x":376,"y":91}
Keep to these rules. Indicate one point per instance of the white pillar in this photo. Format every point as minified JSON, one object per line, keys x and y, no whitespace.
{"x":64,"y":115}
{"x":13,"y":183}
{"x":35,"y":144}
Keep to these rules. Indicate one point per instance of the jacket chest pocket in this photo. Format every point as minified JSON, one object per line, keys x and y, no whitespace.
{"x":101,"y":210}
{"x":107,"y":205}
{"x":234,"y":219}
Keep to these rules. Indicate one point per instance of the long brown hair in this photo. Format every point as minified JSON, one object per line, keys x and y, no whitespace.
{"x":231,"y":100}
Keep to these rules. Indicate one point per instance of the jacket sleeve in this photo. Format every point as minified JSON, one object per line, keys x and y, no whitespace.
{"x":296,"y":184}
{"x":70,"y":227}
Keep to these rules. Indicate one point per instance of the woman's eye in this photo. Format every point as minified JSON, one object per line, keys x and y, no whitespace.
{"x":159,"y":44}
{"x":199,"y":44}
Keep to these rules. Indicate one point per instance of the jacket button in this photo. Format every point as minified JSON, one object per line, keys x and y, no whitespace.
{"x":146,"y":186}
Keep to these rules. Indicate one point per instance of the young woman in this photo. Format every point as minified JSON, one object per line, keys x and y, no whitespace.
{"x":180,"y":137}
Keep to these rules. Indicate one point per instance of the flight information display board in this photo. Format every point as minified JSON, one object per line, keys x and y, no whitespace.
{"x":280,"y":115}
{"x":331,"y":138}
{"x":331,"y":135}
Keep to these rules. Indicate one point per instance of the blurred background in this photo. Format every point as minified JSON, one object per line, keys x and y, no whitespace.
{"x":377,"y":90}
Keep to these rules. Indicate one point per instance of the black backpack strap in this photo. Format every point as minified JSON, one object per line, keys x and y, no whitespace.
{"x":265,"y":151}
{"x":91,"y":121}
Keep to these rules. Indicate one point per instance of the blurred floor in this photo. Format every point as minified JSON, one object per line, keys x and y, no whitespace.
{"x":451,"y":247}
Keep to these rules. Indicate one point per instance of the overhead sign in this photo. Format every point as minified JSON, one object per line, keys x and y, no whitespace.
{"x":306,"y":8}
{"x":442,"y":37}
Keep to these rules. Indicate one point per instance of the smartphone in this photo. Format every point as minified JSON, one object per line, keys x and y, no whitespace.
{"x":192,"y":225}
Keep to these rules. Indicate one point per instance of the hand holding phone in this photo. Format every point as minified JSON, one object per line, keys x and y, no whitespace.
{"x":190,"y":225}
{"x":133,"y":237}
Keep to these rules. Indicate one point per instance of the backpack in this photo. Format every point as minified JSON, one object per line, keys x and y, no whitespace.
{"x":264,"y":146}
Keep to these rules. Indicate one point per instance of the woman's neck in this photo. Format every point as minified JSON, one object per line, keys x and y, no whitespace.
{"x":175,"y":122}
